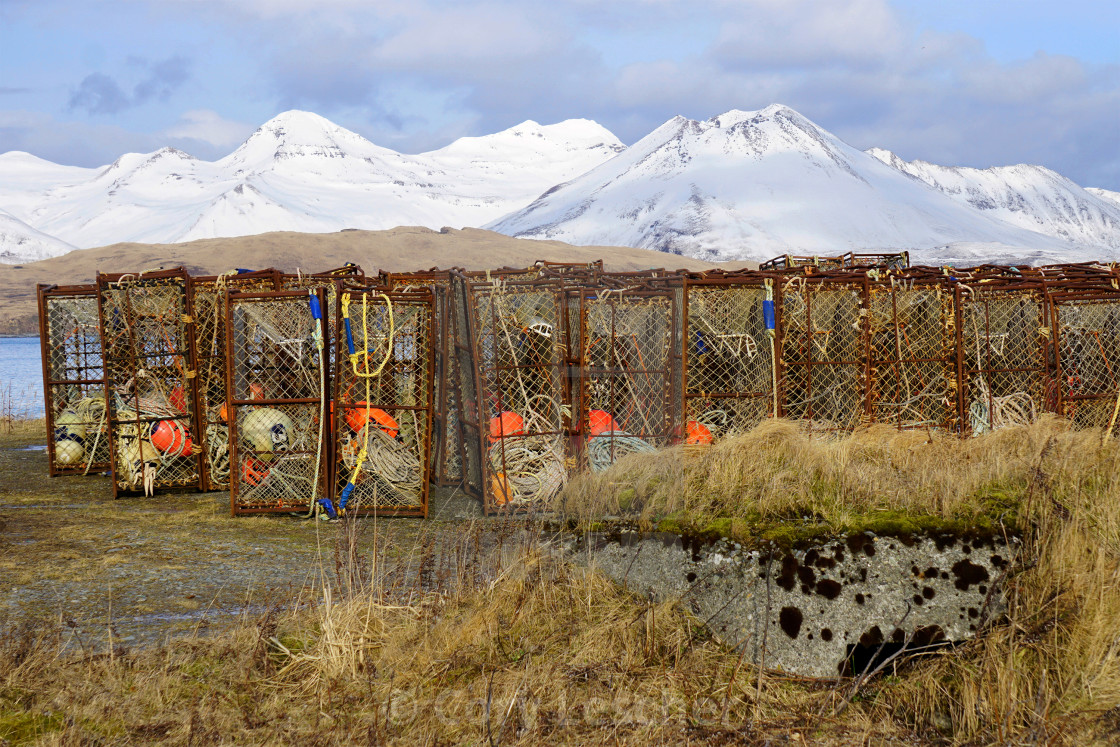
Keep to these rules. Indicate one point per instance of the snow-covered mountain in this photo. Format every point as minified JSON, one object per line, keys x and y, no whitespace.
{"x":298,"y":172}
{"x":752,"y":185}
{"x":20,"y":242}
{"x":743,"y":185}
{"x":1031,"y":197}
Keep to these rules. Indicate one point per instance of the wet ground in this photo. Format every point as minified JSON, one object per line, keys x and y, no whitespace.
{"x":142,"y":569}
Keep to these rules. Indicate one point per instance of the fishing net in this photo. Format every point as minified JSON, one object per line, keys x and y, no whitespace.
{"x":1004,"y":365}
{"x":145,"y":333}
{"x":730,"y":362}
{"x":824,"y":356}
{"x":1089,"y":369}
{"x":384,"y":401}
{"x":277,"y":395}
{"x":516,"y":331}
{"x":913,"y":356}
{"x":626,"y":399}
{"x":74,"y":390}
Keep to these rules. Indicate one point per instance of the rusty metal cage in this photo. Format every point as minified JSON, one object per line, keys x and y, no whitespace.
{"x":208,"y":294}
{"x":1088,"y":357}
{"x":729,"y":382}
{"x":384,"y":400}
{"x":913,"y":376}
{"x":1003,"y":338}
{"x":519,"y":401}
{"x":73,"y":380}
{"x":627,"y":397}
{"x":823,"y":367}
{"x":278,"y":370}
{"x":447,"y":460}
{"x":146,"y":334}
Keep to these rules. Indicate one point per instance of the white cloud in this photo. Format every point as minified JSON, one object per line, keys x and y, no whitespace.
{"x":209,"y":127}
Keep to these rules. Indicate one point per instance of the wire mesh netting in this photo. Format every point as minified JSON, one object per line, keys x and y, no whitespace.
{"x":384,"y":401}
{"x":518,"y":352}
{"x":447,"y":468}
{"x":1089,"y":360}
{"x":824,"y":354}
{"x":208,"y":302}
{"x":1004,"y":370}
{"x":626,"y":398}
{"x":730,"y":361}
{"x":74,"y":385}
{"x":277,"y":395}
{"x":913,"y":356}
{"x":150,"y":381}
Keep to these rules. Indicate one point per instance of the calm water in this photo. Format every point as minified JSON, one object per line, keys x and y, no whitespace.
{"x":21,"y":377}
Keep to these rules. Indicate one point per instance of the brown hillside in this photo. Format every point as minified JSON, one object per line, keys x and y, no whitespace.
{"x":404,"y":248}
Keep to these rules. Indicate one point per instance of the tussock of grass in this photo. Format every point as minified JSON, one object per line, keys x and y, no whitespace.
{"x":778,"y":479}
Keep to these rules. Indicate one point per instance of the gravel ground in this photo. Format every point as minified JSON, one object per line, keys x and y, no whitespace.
{"x":141,"y":570}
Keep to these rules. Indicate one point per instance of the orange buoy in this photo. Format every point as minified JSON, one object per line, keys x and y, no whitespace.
{"x":357,"y":416}
{"x":223,"y":414}
{"x":506,"y":424}
{"x":256,"y":391}
{"x":254,"y":471}
{"x":499,"y":486}
{"x":600,"y":421}
{"x":178,"y":399}
{"x":697,"y":433}
{"x":171,"y":437}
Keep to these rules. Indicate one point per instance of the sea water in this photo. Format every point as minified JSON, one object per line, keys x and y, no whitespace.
{"x":21,"y":378}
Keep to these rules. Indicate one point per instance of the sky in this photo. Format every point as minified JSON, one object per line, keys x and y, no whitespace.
{"x":956,"y":82}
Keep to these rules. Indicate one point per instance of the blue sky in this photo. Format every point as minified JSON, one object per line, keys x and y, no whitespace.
{"x":976,"y":83}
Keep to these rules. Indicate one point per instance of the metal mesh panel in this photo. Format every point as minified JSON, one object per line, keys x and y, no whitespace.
{"x":74,"y":384}
{"x":208,"y":301}
{"x":823,"y":354}
{"x":278,"y":386}
{"x":384,"y":402}
{"x":447,"y":466}
{"x":913,"y":356}
{"x":1088,"y":338}
{"x":626,"y":386}
{"x":518,"y":351}
{"x":149,"y":372}
{"x":730,"y":365}
{"x":1004,"y":372}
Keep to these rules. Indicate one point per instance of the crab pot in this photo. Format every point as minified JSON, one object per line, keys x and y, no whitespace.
{"x":208,"y":300}
{"x":278,"y":394}
{"x":385,"y":360}
{"x":823,"y":367}
{"x":522,"y":444}
{"x":913,"y":355}
{"x":729,"y":367}
{"x":1003,"y":347}
{"x":627,"y":403}
{"x":1088,"y":357}
{"x":146,"y":336}
{"x":446,"y":462}
{"x":73,"y":380}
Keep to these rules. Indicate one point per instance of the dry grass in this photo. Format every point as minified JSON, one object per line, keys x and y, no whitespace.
{"x":498,"y":642}
{"x":777,"y":472}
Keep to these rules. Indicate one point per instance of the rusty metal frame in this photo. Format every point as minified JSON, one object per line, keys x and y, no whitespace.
{"x":208,"y":299}
{"x":249,"y":469}
{"x":126,"y":363}
{"x":71,"y":364}
{"x":419,"y":375}
{"x":622,"y":368}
